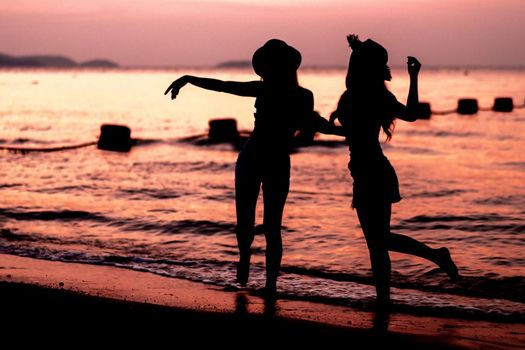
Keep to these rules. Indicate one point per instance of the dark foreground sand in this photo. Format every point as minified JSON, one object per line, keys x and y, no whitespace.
{"x":49,"y":303}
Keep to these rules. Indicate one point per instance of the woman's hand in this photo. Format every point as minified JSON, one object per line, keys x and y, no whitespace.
{"x":413,"y":66}
{"x":353,"y":40}
{"x":176,"y":86}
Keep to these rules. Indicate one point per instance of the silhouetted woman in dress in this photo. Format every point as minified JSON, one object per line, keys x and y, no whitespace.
{"x":366,"y":107}
{"x":282,"y":108}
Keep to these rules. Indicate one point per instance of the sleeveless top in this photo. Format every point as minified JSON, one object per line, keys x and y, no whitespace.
{"x":374,"y":177}
{"x":279,"y":114}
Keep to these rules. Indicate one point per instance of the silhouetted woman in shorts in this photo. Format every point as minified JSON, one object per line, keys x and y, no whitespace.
{"x":282,"y":108}
{"x":364,"y":109}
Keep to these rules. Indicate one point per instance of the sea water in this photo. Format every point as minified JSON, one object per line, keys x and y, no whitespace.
{"x":167,"y":207}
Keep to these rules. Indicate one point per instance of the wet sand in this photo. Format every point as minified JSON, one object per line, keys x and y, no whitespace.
{"x":51,"y":301}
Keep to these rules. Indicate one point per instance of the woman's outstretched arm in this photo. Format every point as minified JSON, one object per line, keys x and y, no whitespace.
{"x":325,"y":127}
{"x":410,"y":112}
{"x":342,"y":107}
{"x":250,"y":88}
{"x":313,"y":122}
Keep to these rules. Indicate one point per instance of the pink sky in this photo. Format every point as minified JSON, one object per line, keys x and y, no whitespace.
{"x":206,"y":32}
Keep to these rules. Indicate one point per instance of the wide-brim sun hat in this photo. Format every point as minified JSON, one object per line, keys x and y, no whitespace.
{"x":275,"y":56}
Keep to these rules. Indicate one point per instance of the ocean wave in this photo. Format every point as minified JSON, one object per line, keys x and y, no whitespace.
{"x":189,"y":167}
{"x":469,"y":223}
{"x":49,"y":215}
{"x":220,"y":192}
{"x":227,"y":196}
{"x":185,"y":226}
{"x":127,"y":251}
{"x":508,"y":288}
{"x":150,"y":193}
{"x":411,"y":149}
{"x":199,"y":227}
{"x":440,"y":133}
{"x":10,"y":185}
{"x":437,"y":194}
{"x":481,"y":297}
{"x":504,"y":261}
{"x":66,"y":189}
{"x":454,"y":218}
{"x":514,"y":200}
{"x":520,"y":166}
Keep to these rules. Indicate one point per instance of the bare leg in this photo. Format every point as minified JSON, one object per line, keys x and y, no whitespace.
{"x":275,"y":191}
{"x":408,"y":245}
{"x":375,"y":222}
{"x":440,"y":256}
{"x":247,"y":187}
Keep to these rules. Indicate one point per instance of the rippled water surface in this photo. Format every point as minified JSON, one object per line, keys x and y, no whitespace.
{"x":168,"y":206}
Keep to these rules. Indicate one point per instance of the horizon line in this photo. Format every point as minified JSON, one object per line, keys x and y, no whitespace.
{"x":310,"y":66}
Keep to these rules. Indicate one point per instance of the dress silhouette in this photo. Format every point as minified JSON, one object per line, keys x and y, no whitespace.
{"x":282,"y":108}
{"x":364,"y":109}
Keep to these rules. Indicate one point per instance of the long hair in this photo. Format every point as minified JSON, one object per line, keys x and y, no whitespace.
{"x":367,"y":72}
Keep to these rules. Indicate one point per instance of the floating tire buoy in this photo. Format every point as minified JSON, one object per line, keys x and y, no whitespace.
{"x":223,"y":130}
{"x":114,"y":138}
{"x":503,"y":104}
{"x":467,"y":106}
{"x":424,"y":111}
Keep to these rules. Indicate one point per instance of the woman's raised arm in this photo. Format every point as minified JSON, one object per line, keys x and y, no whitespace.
{"x":410,"y":112}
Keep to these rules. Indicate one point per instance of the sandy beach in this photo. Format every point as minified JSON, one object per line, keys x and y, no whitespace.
{"x":54,"y":298}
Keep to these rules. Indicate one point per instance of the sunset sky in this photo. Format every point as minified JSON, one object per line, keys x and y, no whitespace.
{"x":206,"y":32}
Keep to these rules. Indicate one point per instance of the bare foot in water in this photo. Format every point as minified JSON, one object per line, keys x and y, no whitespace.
{"x":243,"y":269}
{"x":447,"y":264}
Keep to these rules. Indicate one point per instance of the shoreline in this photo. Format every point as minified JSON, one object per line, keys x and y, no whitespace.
{"x":99,"y":299}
